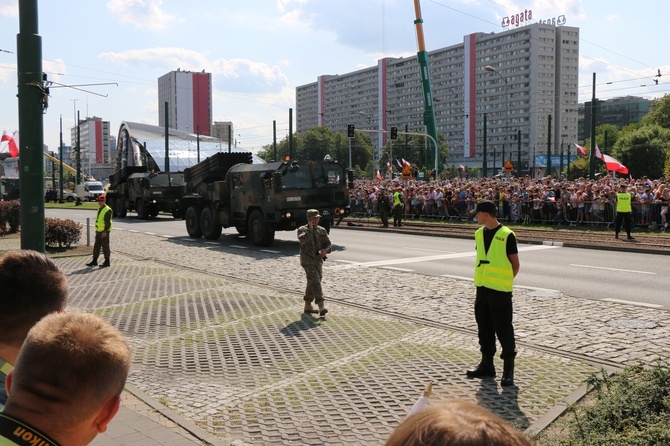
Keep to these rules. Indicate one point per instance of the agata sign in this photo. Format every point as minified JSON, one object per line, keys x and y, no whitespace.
{"x":525,"y":17}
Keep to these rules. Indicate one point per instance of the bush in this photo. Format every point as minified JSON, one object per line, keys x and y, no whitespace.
{"x":10,"y":216}
{"x":631,"y":408}
{"x":61,"y":233}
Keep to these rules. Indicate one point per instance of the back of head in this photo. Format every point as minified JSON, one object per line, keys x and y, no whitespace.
{"x":68,"y":367}
{"x":457,"y":423}
{"x":32,"y":287}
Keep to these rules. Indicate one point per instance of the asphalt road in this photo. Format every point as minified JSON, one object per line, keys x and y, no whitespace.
{"x":585,"y":273}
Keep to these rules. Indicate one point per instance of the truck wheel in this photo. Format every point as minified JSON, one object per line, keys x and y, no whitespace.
{"x":122,"y":210}
{"x":261,"y":233}
{"x":193,"y":222}
{"x":242,"y":230}
{"x":141,"y":209}
{"x":208,"y":226}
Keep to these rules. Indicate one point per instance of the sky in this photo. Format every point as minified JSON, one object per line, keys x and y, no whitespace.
{"x":259,"y":51}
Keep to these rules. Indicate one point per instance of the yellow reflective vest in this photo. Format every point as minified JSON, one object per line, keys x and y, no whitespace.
{"x":493,"y":269}
{"x":100,"y":220}
{"x":623,"y":202}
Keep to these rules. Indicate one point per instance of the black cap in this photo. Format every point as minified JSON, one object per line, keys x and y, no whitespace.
{"x":487,"y":206}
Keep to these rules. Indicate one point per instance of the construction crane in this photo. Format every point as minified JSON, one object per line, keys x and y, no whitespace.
{"x":70,"y":169}
{"x":428,"y":111}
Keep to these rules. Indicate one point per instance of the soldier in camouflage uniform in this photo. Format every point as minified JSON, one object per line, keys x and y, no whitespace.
{"x":314,"y":246}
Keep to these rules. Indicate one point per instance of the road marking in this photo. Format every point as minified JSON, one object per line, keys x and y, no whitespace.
{"x":613,"y":269}
{"x":238,"y":246}
{"x":398,"y":269}
{"x":630,"y":302}
{"x":449,"y":276}
{"x":429,"y":250}
{"x":150,"y":233}
{"x":534,"y":288}
{"x":211,"y":243}
{"x":440,"y":257}
{"x":270,"y":251}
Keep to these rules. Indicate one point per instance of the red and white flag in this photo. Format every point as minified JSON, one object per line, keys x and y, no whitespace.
{"x":581,"y":150}
{"x":598,"y":154}
{"x":12,"y":143}
{"x":462,"y":167}
{"x":388,"y":165}
{"x":614,"y":165}
{"x":399,"y":163}
{"x":379,"y":176}
{"x":406,"y":163}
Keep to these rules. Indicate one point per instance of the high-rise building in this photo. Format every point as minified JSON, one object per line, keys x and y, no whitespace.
{"x":224,"y":130}
{"x":189,"y":99}
{"x":96,"y":147}
{"x":619,"y":111}
{"x":518,"y":81}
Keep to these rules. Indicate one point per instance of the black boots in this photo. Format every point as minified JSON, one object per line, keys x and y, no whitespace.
{"x":485,"y":369}
{"x":508,"y":373}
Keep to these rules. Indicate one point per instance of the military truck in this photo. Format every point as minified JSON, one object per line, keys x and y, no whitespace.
{"x":227,"y":190}
{"x":134,"y":188}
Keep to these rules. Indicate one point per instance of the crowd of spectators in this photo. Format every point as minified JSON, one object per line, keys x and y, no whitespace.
{"x":521,"y":199}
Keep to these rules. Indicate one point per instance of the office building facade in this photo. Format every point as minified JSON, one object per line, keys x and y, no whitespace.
{"x":529,"y":89}
{"x":619,"y":111}
{"x":189,"y":99}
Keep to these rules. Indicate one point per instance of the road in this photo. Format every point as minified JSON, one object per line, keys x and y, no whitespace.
{"x":584,"y":273}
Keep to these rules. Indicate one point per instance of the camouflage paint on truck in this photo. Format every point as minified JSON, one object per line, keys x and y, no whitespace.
{"x":259,"y":199}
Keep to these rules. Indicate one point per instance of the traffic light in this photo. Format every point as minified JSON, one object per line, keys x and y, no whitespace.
{"x":394,"y":132}
{"x":351,"y":131}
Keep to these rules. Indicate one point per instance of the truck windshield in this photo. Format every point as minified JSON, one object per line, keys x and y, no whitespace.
{"x":161,"y":180}
{"x":310,"y":176}
{"x":95,"y":188}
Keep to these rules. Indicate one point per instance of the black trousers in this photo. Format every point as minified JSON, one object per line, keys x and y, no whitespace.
{"x":493,"y":313}
{"x":627,"y":222}
{"x":397,"y":214}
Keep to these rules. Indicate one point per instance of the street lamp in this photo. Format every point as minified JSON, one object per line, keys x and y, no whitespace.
{"x":494,"y":70}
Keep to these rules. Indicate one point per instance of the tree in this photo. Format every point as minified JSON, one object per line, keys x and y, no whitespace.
{"x":612,"y":132}
{"x":659,"y":113}
{"x":644,"y":151}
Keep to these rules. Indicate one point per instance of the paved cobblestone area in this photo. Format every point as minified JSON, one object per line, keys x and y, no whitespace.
{"x":218,"y":339}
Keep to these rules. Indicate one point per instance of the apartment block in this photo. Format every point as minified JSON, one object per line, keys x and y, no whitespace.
{"x":189,"y":99}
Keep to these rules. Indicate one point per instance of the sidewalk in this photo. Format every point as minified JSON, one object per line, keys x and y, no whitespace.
{"x":221,"y":350}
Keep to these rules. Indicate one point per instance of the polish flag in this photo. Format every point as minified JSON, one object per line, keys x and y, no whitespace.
{"x":388,"y":165}
{"x":11,"y":143}
{"x":598,"y":154}
{"x":399,"y":163}
{"x":581,"y":150}
{"x":406,"y":163}
{"x":614,"y":165}
{"x":379,"y":176}
{"x":462,"y":167}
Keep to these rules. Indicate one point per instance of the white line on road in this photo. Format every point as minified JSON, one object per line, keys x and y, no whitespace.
{"x":269,"y":251}
{"x":150,"y":233}
{"x":630,"y":302}
{"x":441,"y":257}
{"x":398,"y":269}
{"x":211,"y":243}
{"x":429,"y":250}
{"x":238,"y":247}
{"x":613,"y":269}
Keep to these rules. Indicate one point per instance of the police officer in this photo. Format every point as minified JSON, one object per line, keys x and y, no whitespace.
{"x":398,"y":207}
{"x":497,"y":264}
{"x":314,"y":247}
{"x":623,"y":210}
{"x":103,"y":225}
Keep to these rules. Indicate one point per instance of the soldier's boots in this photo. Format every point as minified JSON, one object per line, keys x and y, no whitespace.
{"x":485,"y":369}
{"x":322,"y":310}
{"x":310,"y":309}
{"x":508,"y":373}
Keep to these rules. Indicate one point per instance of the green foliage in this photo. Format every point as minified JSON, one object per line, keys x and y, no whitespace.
{"x":631,"y":408}
{"x":10,"y":216}
{"x":644,"y":151}
{"x":659,"y":113}
{"x":318,"y":142}
{"x":61,"y":233}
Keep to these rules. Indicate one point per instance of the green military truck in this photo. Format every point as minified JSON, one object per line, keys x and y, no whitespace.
{"x":134,"y":188}
{"x":227,"y":190}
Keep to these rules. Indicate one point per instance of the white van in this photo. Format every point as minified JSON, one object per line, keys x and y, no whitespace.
{"x":90,"y":190}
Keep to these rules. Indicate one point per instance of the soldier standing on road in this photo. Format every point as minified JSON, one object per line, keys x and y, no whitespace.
{"x":103,"y":225}
{"x":497,"y":266}
{"x":314,"y":246}
{"x":398,"y":207}
{"x":384,"y":207}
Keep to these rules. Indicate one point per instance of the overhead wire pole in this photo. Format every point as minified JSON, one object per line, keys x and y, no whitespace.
{"x":422,"y":57}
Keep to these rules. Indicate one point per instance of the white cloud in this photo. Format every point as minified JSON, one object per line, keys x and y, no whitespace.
{"x":9,"y":8}
{"x":144,"y":14}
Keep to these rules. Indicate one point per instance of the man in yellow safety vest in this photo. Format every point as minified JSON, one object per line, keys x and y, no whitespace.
{"x":497,"y":264}
{"x":103,"y":226}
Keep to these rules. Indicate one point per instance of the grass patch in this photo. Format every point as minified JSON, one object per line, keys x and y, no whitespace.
{"x":630,"y":408}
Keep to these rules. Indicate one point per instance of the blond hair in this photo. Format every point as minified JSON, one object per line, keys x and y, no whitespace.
{"x":71,"y":363}
{"x":457,"y":423}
